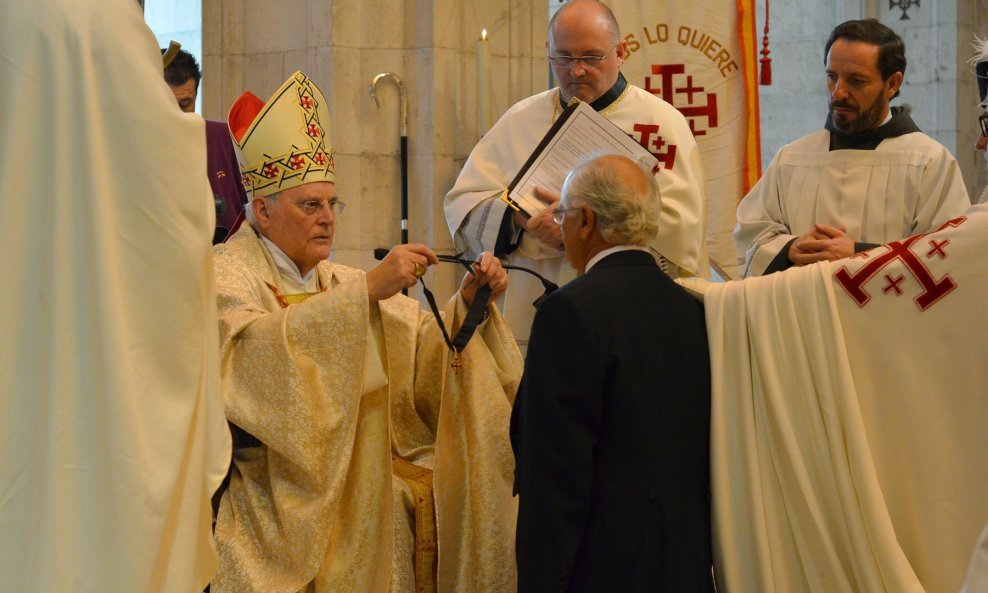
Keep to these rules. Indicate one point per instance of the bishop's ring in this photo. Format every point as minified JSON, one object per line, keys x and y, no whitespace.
{"x":419,"y":270}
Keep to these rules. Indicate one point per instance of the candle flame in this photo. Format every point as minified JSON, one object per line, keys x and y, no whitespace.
{"x":483,"y":34}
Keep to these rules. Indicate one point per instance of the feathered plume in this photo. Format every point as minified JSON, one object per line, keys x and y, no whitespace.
{"x":980,"y":63}
{"x":980,"y":50}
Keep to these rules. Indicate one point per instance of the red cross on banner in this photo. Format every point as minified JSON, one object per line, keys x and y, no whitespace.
{"x":677,"y":88}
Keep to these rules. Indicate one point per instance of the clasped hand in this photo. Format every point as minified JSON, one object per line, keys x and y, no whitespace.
{"x":822,"y":243}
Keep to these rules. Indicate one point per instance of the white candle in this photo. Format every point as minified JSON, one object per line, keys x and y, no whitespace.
{"x":484,"y":106}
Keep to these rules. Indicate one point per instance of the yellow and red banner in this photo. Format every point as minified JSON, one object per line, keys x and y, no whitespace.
{"x":701,"y":57}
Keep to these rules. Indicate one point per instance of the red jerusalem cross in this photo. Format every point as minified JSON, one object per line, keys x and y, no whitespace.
{"x":933,"y":289}
{"x":653,"y":142}
{"x":668,"y":90}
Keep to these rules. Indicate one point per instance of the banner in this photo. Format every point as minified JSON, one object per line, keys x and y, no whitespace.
{"x":700,"y":56}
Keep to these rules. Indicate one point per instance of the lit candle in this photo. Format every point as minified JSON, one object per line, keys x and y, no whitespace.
{"x":484,"y":107}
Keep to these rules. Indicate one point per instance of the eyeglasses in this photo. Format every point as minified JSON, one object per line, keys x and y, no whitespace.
{"x":564,"y":61}
{"x":559,"y":214}
{"x":310,"y":207}
{"x":983,"y":122}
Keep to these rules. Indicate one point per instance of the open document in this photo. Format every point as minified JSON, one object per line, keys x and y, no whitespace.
{"x":578,"y":133}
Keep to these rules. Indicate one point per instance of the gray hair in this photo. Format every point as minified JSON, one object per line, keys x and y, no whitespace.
{"x":249,"y":209}
{"x":621,"y":193}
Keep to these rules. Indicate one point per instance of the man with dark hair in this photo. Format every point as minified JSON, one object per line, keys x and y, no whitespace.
{"x":891,"y":49}
{"x":183,"y":75}
{"x":870,"y":177}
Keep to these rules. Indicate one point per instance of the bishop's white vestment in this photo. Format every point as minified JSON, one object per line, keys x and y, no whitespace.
{"x":342,"y":395}
{"x":474,"y":211}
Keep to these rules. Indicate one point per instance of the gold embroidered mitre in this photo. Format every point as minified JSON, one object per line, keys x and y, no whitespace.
{"x":285,"y":142}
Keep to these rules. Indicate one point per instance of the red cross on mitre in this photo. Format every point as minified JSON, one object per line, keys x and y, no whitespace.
{"x":313,"y":131}
{"x":271,"y":171}
{"x":297,"y":162}
{"x":306,"y":102}
{"x":246,"y":181}
{"x":320,"y":158}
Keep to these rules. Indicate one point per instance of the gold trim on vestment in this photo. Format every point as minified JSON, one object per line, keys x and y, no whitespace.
{"x":419,"y":481}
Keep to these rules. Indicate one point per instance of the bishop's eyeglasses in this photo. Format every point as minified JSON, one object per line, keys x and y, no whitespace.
{"x":310,"y":207}
{"x":983,"y":122}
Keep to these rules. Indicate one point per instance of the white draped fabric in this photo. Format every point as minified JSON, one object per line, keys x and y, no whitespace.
{"x":850,"y":401}
{"x":112,"y":433}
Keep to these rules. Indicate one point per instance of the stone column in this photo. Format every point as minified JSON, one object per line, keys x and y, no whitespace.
{"x":341,"y":44}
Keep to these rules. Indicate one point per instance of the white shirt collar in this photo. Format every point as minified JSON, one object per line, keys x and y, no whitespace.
{"x":285,"y":264}
{"x":604,"y":253}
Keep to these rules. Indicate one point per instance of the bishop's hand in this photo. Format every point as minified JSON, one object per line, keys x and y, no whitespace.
{"x":400,"y":268}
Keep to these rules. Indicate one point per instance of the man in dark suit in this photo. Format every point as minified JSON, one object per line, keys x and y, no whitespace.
{"x":610,"y":428}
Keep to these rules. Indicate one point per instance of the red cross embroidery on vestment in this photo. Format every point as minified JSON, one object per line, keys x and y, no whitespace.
{"x":933,"y":289}
{"x":893,"y":284}
{"x":936,"y":248}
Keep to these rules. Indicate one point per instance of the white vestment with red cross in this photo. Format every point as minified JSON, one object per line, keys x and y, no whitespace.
{"x":850,"y":402}
{"x":474,"y":210}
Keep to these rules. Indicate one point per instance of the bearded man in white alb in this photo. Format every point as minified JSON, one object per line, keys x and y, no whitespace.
{"x":868,"y":178}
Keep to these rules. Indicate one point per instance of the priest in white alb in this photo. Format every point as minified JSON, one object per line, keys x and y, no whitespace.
{"x":586,"y":51}
{"x":369,"y":455}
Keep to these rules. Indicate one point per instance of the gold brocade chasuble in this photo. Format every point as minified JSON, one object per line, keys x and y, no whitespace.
{"x":315,"y":507}
{"x":416,"y":491}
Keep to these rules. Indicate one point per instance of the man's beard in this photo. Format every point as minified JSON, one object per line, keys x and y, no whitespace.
{"x":866,"y":120}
